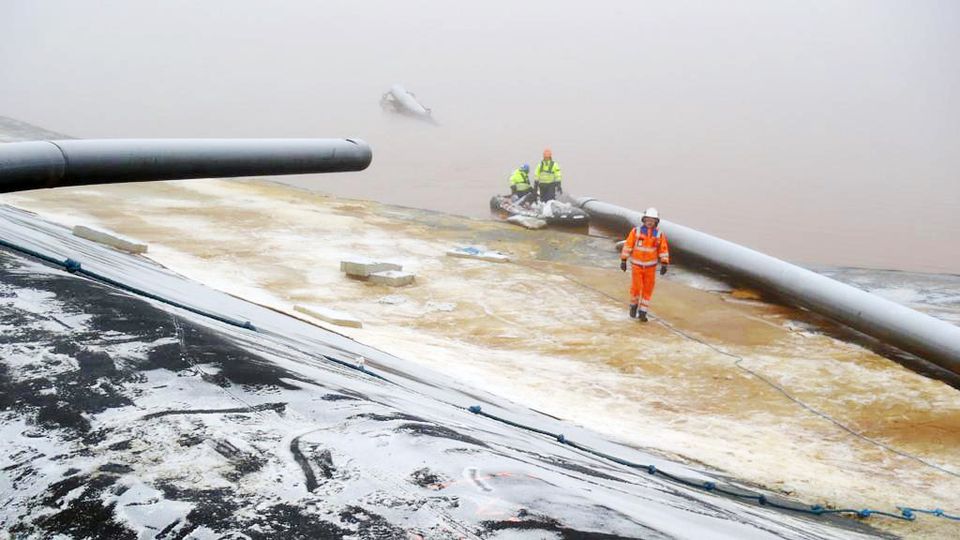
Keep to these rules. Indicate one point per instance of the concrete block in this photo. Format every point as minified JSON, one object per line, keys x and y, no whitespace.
{"x":110,"y":239}
{"x":363,"y":267}
{"x":332,"y":316}
{"x":393,"y":278}
{"x":478,"y":253}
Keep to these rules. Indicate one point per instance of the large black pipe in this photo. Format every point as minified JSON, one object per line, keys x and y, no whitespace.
{"x":48,"y":164}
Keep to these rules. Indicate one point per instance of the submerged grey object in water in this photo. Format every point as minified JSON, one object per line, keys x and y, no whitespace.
{"x":917,"y":333}
{"x":48,"y":164}
{"x":399,"y":100}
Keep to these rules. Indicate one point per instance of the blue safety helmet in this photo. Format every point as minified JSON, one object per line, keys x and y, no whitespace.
{"x":525,"y":167}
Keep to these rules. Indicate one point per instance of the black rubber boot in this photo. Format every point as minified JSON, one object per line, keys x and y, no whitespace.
{"x":642,"y":316}
{"x":633,"y":310}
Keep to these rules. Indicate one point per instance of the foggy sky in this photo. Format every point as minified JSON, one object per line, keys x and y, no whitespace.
{"x":822,"y":132}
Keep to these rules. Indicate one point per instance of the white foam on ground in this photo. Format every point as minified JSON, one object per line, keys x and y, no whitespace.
{"x":786,"y":447}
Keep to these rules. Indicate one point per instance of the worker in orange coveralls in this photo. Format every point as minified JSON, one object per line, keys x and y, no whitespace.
{"x":645,"y":248}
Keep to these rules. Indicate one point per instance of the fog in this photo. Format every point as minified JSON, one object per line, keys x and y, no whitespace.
{"x":819,"y":132}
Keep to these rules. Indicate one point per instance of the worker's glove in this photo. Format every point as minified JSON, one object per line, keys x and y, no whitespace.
{"x":663,"y":269}
{"x":559,"y":188}
{"x":623,"y":265}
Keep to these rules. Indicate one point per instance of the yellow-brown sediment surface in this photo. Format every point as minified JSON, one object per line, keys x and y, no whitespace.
{"x":550,"y":330}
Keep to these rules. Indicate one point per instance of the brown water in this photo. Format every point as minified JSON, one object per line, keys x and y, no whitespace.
{"x":819,"y":133}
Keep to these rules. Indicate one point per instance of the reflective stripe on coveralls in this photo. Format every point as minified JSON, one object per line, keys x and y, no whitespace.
{"x":549,"y":172}
{"x":642,"y":281}
{"x":646,"y":248}
{"x":520,"y":180}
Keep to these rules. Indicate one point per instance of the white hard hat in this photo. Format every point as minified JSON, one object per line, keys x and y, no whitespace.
{"x":651,"y":213}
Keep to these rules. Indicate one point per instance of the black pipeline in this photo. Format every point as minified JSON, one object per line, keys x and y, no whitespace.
{"x":49,"y":164}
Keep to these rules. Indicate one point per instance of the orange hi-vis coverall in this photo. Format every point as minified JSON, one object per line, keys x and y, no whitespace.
{"x":645,"y":248}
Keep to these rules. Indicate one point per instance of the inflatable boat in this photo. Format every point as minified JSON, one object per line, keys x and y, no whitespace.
{"x":557,"y":213}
